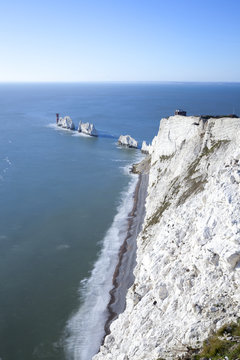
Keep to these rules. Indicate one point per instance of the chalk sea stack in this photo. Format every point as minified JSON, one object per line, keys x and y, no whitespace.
{"x":128,"y":141}
{"x":146,"y":149}
{"x":66,"y":123}
{"x":87,"y":128}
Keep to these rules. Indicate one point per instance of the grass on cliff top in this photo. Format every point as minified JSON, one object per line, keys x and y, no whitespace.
{"x":221,"y":344}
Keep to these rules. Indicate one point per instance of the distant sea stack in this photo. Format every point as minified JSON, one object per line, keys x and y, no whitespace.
{"x":128,"y":141}
{"x":65,"y":122}
{"x":187,"y":277}
{"x":87,"y":128}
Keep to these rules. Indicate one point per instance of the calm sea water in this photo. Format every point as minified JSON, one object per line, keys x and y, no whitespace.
{"x":64,"y":203}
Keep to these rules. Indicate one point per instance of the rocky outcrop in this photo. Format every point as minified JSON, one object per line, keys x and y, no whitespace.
{"x":66,"y":123}
{"x":128,"y":141}
{"x":142,"y":167}
{"x":187,"y":277}
{"x":87,"y":128}
{"x":146,"y":149}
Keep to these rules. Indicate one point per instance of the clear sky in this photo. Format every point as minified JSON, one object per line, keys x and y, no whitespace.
{"x":120,"y":40}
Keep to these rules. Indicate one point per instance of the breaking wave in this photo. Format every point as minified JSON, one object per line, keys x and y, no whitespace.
{"x":86,"y":327}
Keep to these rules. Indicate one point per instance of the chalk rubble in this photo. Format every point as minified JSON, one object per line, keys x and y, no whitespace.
{"x":187,"y":277}
{"x":127,"y":140}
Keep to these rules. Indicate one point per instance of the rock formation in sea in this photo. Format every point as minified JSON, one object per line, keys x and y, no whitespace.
{"x":187,"y":277}
{"x":87,"y":128}
{"x":66,"y":123}
{"x":127,"y":140}
{"x":146,"y":149}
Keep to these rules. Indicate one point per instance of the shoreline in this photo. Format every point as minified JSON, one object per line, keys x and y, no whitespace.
{"x":123,"y":277}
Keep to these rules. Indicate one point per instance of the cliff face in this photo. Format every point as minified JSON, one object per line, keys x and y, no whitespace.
{"x":187,"y":278}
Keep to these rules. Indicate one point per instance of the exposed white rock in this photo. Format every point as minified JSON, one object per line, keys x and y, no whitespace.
{"x":66,"y":123}
{"x":127,"y":140}
{"x":146,"y":149}
{"x":187,"y":278}
{"x":87,"y":128}
{"x":60,"y":121}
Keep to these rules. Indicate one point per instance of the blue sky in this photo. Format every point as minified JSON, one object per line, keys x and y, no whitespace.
{"x":119,"y":40}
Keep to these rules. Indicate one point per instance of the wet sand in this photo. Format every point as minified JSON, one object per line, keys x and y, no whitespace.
{"x":123,"y":277}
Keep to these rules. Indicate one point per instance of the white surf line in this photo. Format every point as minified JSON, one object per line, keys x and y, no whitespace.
{"x":86,"y":327}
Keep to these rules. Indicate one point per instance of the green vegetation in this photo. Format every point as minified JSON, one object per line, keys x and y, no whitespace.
{"x":158,"y":213}
{"x":207,"y":117}
{"x":215,"y":145}
{"x":175,"y":186}
{"x":195,"y":183}
{"x":166,"y":157}
{"x":230,"y":329}
{"x":195,"y":186}
{"x":223,"y":343}
{"x":214,"y":347}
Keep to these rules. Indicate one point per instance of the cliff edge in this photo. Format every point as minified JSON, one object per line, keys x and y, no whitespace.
{"x":187,"y":277}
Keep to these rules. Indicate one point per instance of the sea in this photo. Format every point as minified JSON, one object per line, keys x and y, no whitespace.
{"x":65,"y":200}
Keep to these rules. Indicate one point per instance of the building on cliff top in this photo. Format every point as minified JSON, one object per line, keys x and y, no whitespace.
{"x":180,"y":112}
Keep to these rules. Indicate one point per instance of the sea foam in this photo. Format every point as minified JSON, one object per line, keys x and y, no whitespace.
{"x":86,"y":328}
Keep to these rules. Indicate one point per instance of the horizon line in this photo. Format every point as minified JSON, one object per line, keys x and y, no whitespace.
{"x":121,"y":82}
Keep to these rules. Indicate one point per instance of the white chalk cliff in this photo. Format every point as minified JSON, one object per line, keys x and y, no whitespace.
{"x":66,"y":123}
{"x":146,"y":149}
{"x":127,"y":140}
{"x":187,"y":277}
{"x":87,"y":128}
